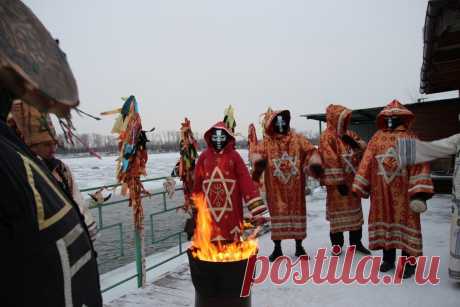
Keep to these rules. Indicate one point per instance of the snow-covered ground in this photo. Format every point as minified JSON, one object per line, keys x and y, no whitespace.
{"x":170,"y":285}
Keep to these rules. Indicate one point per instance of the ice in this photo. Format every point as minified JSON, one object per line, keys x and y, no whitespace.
{"x":92,"y":172}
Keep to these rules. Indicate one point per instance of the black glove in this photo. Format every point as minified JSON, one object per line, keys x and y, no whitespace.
{"x":343,"y":189}
{"x":259,"y":167}
{"x":175,"y":171}
{"x":190,"y":224}
{"x":316,"y":170}
{"x":350,"y":141}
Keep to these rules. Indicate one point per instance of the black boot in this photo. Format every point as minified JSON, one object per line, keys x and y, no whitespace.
{"x":389,"y":258}
{"x":299,"y":250}
{"x":355,"y":239}
{"x":277,"y":252}
{"x":409,"y":269}
{"x":337,"y":243}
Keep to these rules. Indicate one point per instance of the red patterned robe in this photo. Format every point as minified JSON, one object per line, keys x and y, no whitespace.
{"x":392,"y":224}
{"x":287,"y":156}
{"x":340,"y":163}
{"x":225,"y":181}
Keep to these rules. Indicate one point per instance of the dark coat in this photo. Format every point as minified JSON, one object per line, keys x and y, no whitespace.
{"x":46,"y":256}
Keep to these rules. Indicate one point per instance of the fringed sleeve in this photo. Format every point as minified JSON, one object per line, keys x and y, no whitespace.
{"x":412,"y":151}
{"x":420,"y":180}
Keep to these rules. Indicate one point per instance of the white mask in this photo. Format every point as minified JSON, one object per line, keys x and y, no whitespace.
{"x":219,"y":139}
{"x":280,"y":124}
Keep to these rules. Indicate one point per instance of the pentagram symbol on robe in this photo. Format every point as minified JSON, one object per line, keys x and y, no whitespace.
{"x":348,"y":160}
{"x":285,"y":167}
{"x":389,"y":166}
{"x":218,"y":192}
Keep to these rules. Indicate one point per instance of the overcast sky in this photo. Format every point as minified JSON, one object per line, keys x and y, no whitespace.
{"x":194,"y":57}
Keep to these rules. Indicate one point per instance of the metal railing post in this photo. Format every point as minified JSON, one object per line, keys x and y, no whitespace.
{"x":122,"y":247}
{"x":138,"y":246}
{"x":99,"y":210}
{"x":152,"y":232}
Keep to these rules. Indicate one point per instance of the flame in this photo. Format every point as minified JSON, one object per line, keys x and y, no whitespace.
{"x":204,"y":249}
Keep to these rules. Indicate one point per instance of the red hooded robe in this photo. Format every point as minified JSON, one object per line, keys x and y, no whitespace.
{"x":225,"y":181}
{"x":392,"y":223}
{"x":340,"y":162}
{"x":287,"y":156}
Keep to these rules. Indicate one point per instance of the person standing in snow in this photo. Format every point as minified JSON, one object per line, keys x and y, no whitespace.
{"x":223,"y":178}
{"x":412,"y":151}
{"x":398,"y":194}
{"x":37,"y":131}
{"x":286,"y":157}
{"x":341,"y":151}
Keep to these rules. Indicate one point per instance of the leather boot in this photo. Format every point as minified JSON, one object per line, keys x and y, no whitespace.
{"x":337,"y":243}
{"x":299,"y":250}
{"x":277,"y":251}
{"x":389,"y":258}
{"x":355,"y":239}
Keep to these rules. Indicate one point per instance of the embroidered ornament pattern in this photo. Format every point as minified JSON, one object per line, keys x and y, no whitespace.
{"x":285,"y":167}
{"x":347,"y":158}
{"x":390,"y":160}
{"x":218,"y":191}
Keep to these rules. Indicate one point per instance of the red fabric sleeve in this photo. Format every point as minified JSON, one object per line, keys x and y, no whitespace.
{"x":247,"y":187}
{"x":333,"y":169}
{"x":361,"y":183}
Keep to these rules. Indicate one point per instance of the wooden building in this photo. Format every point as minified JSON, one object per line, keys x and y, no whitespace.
{"x":441,"y":52}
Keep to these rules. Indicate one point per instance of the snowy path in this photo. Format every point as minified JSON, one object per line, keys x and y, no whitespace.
{"x":175,"y":288}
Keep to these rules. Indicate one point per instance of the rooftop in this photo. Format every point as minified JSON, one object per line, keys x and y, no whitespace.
{"x":368,"y":115}
{"x":441,"y":52}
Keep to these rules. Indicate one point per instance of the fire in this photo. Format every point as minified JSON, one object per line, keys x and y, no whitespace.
{"x":204,"y":249}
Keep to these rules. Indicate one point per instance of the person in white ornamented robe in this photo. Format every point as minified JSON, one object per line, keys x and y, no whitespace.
{"x":414,"y":151}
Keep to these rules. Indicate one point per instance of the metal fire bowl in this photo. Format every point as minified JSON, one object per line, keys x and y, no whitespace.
{"x":218,"y":283}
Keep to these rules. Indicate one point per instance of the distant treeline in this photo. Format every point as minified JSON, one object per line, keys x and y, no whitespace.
{"x":160,"y":141}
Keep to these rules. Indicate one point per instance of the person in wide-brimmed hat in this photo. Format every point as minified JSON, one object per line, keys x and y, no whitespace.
{"x":37,"y":131}
{"x":47,"y":257}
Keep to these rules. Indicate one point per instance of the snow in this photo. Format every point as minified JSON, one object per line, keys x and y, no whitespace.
{"x":170,"y":285}
{"x":91,"y":172}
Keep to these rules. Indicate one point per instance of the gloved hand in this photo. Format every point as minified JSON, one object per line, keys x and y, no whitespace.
{"x":316,"y":170}
{"x":190,"y":224}
{"x":350,"y":141}
{"x":343,"y":189}
{"x":418,"y":205}
{"x":259,"y":167}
